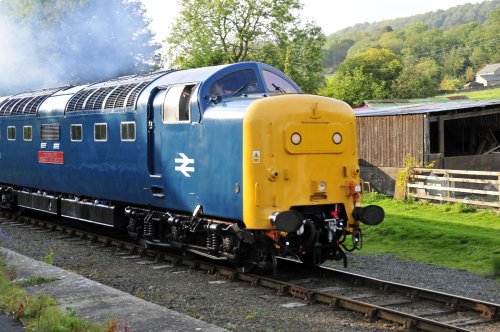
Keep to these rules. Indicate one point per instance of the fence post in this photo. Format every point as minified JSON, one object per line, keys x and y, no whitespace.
{"x":447,"y":184}
{"x":498,"y":177}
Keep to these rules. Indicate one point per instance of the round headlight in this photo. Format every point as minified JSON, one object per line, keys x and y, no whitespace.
{"x":322,"y":186}
{"x":296,"y":138}
{"x":337,"y":138}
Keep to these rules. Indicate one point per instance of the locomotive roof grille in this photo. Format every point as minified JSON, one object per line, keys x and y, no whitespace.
{"x":118,"y":93}
{"x":26,"y":103}
{"x":117,"y":98}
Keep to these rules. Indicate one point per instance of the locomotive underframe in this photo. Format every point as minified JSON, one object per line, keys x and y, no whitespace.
{"x":316,"y":239}
{"x":318,"y":236}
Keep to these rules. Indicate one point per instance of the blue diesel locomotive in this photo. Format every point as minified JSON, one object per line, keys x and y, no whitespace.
{"x":230,"y":162}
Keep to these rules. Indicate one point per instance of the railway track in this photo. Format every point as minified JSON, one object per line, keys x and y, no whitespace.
{"x":411,"y":308}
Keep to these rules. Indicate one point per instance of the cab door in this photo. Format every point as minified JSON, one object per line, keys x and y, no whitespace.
{"x":169,"y":131}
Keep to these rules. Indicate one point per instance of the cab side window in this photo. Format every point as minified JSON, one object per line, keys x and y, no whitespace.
{"x":176,"y":107}
{"x":275,"y":83}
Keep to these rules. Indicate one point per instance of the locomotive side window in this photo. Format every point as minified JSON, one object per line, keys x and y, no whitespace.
{"x":27,"y":133}
{"x":176,"y":107}
{"x":76,"y":133}
{"x":275,"y":83}
{"x":100,"y":132}
{"x":50,"y":132}
{"x":127,"y":130}
{"x":11,"y":133}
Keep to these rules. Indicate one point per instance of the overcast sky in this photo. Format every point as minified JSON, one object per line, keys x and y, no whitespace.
{"x":330,"y":15}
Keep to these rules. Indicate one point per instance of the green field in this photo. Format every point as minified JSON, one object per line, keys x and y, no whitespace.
{"x":454,"y":236}
{"x":483,"y":94}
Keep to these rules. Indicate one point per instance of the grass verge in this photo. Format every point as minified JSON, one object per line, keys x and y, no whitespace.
{"x":40,"y":313}
{"x":451,"y":235}
{"x":482,"y":94}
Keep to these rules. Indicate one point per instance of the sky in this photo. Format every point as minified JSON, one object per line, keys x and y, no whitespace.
{"x":330,"y":15}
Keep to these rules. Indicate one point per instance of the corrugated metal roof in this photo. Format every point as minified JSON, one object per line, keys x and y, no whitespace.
{"x":425,"y":107}
{"x":489,"y":69}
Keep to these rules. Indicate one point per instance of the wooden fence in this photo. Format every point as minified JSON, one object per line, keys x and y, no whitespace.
{"x":468,"y":187}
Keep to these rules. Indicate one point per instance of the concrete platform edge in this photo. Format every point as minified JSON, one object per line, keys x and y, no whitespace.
{"x":97,"y":302}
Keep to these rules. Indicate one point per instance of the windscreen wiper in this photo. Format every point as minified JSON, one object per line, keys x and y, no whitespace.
{"x":277,"y":88}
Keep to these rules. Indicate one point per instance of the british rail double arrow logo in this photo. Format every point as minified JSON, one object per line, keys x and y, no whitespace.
{"x":184,"y":167}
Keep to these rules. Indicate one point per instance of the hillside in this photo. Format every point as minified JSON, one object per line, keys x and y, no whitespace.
{"x":446,"y":19}
{"x":414,"y":57}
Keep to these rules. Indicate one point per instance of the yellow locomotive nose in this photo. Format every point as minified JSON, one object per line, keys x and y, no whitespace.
{"x":298,"y":150}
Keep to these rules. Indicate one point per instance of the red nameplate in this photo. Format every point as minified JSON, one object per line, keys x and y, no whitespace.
{"x":51,"y":157}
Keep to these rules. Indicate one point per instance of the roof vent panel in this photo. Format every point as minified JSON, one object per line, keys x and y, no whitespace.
{"x":119,"y":93}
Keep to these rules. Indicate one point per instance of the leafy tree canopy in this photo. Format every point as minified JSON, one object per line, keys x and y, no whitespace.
{"x":227,"y":31}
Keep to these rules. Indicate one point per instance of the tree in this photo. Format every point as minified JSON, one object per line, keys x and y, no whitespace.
{"x":334,"y":52}
{"x":298,"y":55}
{"x":74,"y":42}
{"x":367,"y":75}
{"x":354,"y":87}
{"x":413,"y":83}
{"x":449,"y":83}
{"x":227,"y":31}
{"x":382,"y":64}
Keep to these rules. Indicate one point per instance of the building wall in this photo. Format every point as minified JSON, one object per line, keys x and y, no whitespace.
{"x":488,"y":162}
{"x":488,"y":80}
{"x":381,"y":179}
{"x":385,"y":141}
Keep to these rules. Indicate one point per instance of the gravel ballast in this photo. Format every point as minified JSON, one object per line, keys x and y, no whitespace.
{"x":235,"y":305}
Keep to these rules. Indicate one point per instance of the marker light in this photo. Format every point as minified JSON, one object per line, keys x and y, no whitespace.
{"x":322,"y":186}
{"x":296,"y":138}
{"x":337,"y":138}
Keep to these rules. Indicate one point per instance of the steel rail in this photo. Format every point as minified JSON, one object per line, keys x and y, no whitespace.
{"x":371,"y":312}
{"x":488,"y":310}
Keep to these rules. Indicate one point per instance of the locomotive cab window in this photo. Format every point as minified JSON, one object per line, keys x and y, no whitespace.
{"x":275,"y":83}
{"x":11,"y":133}
{"x":176,"y":107}
{"x":27,"y":133}
{"x":100,"y":132}
{"x":76,"y":133}
{"x":50,"y":132}
{"x":127,"y":130}
{"x":237,"y":83}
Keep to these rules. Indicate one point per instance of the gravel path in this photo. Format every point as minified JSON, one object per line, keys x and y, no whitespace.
{"x":235,"y":306}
